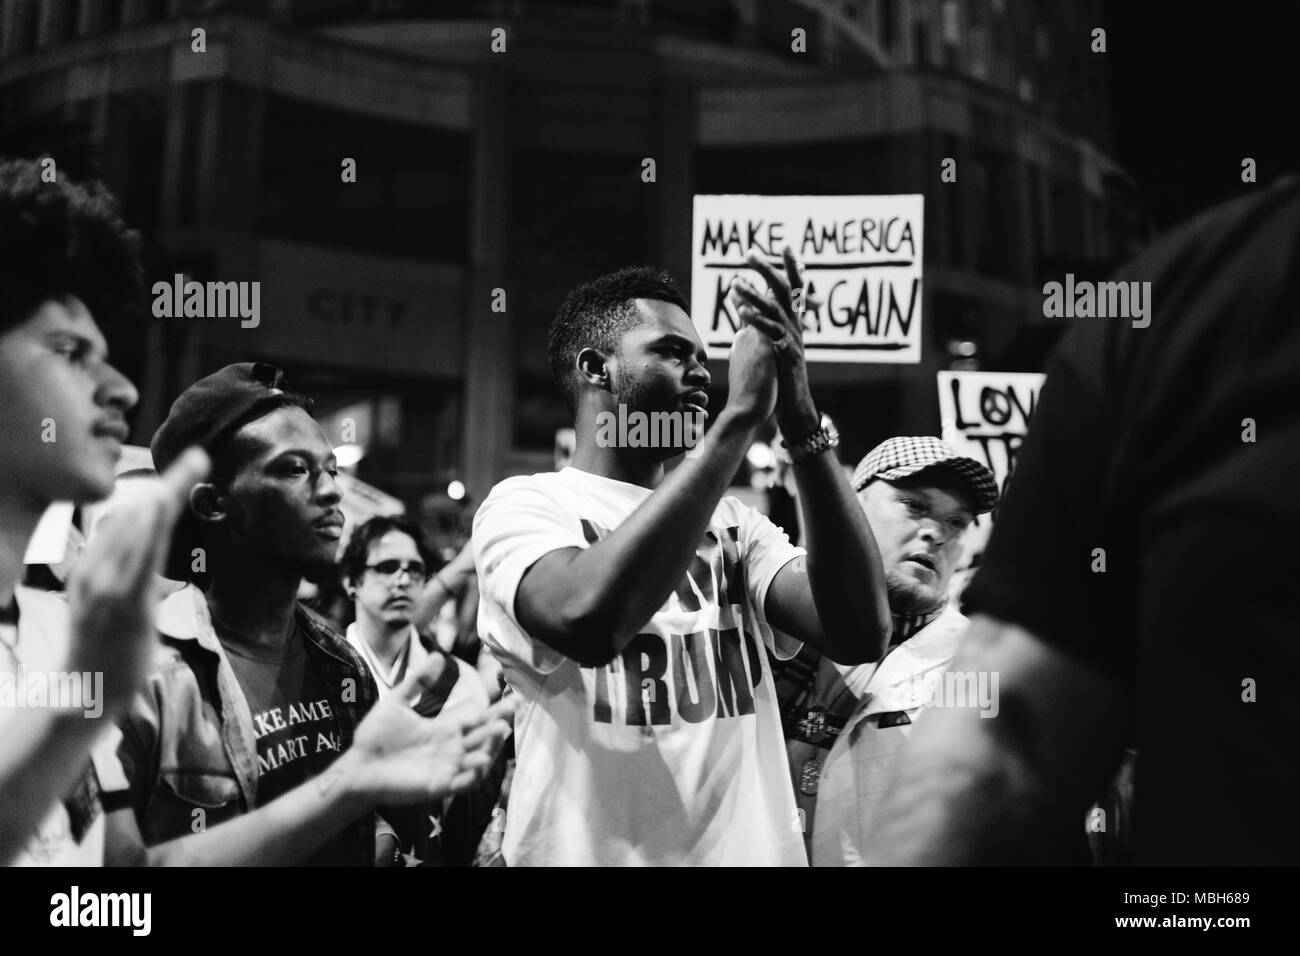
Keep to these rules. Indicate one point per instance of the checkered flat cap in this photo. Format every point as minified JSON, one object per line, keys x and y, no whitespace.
{"x":910,"y":455}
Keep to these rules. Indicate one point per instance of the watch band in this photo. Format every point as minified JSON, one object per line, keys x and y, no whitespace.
{"x":816,"y":443}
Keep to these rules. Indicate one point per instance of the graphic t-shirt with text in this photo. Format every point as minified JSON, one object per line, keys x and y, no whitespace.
{"x":293,"y":717}
{"x":672,"y":754}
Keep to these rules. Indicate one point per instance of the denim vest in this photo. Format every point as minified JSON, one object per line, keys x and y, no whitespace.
{"x":188,"y":747}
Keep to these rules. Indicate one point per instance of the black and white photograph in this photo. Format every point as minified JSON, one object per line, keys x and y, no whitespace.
{"x":491,"y":434}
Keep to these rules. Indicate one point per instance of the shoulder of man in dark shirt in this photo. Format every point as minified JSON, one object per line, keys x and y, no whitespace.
{"x":1125,"y":416}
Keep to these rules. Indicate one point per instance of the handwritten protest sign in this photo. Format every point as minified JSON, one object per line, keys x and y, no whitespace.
{"x":986,"y":416}
{"x":862,"y":256}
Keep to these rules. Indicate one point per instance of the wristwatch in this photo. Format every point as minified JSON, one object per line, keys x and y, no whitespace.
{"x":826,"y":436}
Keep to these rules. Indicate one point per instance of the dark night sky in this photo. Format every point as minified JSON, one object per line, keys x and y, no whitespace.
{"x":1196,"y":88}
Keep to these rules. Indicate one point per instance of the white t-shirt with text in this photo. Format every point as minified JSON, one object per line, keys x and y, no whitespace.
{"x":672,"y":754}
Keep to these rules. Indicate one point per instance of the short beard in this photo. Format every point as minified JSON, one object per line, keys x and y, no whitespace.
{"x":909,"y":599}
{"x":639,"y":398}
{"x":640,"y":395}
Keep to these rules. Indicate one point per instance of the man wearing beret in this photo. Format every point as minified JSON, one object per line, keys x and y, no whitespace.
{"x":260,"y":738}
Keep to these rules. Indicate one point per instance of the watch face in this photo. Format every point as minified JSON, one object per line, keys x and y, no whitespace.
{"x":831,"y":431}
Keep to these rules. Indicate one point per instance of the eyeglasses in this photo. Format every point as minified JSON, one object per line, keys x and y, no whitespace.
{"x":392,"y":567}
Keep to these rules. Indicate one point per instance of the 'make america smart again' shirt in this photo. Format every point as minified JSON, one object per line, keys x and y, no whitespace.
{"x":672,"y":754}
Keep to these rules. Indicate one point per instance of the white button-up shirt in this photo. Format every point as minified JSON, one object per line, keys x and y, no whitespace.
{"x":861,"y":764}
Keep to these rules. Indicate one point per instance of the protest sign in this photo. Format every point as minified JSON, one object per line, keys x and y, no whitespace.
{"x":986,"y":416}
{"x":862,"y":256}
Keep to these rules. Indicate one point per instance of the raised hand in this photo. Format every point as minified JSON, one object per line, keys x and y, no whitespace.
{"x":751,"y":376}
{"x":114,"y":588}
{"x":399,"y":757}
{"x":778,"y":314}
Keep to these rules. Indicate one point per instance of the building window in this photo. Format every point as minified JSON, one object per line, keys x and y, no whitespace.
{"x":951,"y":22}
{"x":71,"y":17}
{"x":153,"y":11}
{"x":18,"y":26}
{"x":888,"y":22}
{"x":979,"y":67}
{"x":951,"y":16}
{"x":1067,"y":214}
{"x":954,"y":224}
{"x":145,"y":129}
{"x":922,"y":58}
{"x":410,"y":198}
{"x":188,"y":171}
{"x":993,"y":209}
{"x":1037,"y":221}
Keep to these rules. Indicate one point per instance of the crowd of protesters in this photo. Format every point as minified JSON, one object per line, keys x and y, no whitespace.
{"x":647,"y":671}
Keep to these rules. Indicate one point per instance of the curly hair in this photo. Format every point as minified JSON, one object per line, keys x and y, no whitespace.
{"x":357,"y":553}
{"x":597,"y":314}
{"x":61,"y":239}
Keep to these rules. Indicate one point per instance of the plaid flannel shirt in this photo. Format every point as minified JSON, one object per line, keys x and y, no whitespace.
{"x":188,"y":741}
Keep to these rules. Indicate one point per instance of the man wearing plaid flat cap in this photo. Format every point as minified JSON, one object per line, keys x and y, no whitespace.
{"x":919,"y":497}
{"x":919,"y":557}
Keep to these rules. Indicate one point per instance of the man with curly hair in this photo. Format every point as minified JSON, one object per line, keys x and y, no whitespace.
{"x":67,"y":265}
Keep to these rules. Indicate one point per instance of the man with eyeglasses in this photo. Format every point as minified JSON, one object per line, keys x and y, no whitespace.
{"x":385,"y":571}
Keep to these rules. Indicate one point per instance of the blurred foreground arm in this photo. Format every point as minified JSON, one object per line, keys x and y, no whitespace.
{"x":111,"y":597}
{"x":1012,"y":788}
{"x":398,"y":758}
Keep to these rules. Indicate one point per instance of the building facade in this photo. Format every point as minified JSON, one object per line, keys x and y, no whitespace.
{"x":494,"y":170}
